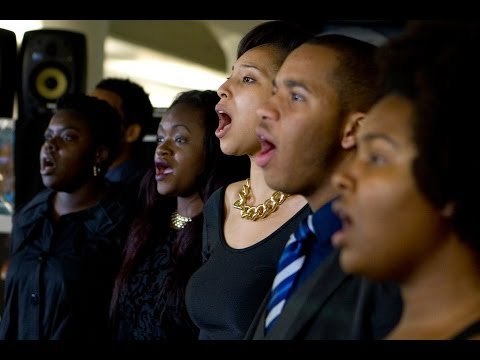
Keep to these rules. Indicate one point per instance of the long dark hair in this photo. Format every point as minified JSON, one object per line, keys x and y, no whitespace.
{"x":153,"y":223}
{"x":285,"y":36}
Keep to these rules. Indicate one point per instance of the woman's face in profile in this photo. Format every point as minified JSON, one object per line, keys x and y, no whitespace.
{"x":249,"y":85}
{"x":389,"y":226}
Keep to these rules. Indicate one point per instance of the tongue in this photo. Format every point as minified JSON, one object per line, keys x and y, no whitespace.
{"x":223,"y":124}
{"x":221,"y":129}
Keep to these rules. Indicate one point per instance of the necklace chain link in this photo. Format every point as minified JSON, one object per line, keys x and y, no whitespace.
{"x":258,"y":211}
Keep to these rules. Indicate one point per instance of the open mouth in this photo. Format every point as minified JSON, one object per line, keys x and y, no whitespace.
{"x":225,"y":122}
{"x":47,"y":165}
{"x":162,"y":169}
{"x":267,"y":151}
{"x":266,"y":145}
{"x":341,"y":213}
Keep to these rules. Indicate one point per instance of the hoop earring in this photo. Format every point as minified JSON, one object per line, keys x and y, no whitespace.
{"x":96,"y":170}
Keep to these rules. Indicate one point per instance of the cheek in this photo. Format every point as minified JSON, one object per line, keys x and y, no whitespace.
{"x":252,"y":101}
{"x":190,"y":164}
{"x":390,"y":228}
{"x":75,"y":161}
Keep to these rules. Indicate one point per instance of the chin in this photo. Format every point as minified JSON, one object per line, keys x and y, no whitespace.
{"x":356,"y":266}
{"x":349,"y":264}
{"x":271,"y":180}
{"x":48,"y":183}
{"x":164,"y":189}
{"x":226,"y":147}
{"x":277,"y":183}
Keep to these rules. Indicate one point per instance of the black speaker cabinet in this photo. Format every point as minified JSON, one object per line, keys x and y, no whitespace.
{"x":53,"y":63}
{"x":8,"y":67}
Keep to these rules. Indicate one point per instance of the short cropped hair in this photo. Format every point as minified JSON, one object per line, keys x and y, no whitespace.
{"x":356,"y":78}
{"x":136,"y":104}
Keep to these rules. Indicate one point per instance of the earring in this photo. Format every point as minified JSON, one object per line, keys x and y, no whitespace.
{"x":96,"y":170}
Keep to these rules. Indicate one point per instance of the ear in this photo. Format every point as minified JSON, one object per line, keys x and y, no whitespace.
{"x":353,"y":123}
{"x":132,"y":132}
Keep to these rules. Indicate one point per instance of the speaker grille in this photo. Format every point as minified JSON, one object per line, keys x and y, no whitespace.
{"x":53,"y":64}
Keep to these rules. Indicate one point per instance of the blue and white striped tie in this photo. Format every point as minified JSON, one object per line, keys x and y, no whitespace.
{"x":290,"y":263}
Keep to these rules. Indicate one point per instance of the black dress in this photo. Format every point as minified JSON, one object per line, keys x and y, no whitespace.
{"x":140,"y":304}
{"x":224,"y":294}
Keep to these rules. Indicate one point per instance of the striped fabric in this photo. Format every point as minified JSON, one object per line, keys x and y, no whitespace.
{"x":290,"y":263}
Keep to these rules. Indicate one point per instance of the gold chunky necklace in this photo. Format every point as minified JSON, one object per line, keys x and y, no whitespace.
{"x":178,"y":221}
{"x":258,"y":211}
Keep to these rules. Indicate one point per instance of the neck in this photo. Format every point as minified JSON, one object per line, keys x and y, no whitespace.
{"x":82,"y":198}
{"x":189,"y":206}
{"x":447,"y":279}
{"x":323,"y":191}
{"x":321,"y":196}
{"x":259,"y":188}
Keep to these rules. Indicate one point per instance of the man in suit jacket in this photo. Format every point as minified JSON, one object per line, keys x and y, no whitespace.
{"x":321,"y":95}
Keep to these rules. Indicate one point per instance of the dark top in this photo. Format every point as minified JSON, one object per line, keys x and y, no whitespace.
{"x":224,"y":294}
{"x":128,"y":172}
{"x":470,"y":331}
{"x":60,"y":276}
{"x":140,"y":306}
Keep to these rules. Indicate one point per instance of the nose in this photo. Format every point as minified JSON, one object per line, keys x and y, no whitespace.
{"x":342,"y":179}
{"x":222,"y":91}
{"x":50,"y":144}
{"x":163,"y":149}
{"x":267,"y":111}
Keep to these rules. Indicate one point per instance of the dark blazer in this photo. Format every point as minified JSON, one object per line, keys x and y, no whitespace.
{"x":333,"y":305}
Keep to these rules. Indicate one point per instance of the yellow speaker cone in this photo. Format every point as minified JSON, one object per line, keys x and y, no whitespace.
{"x":51,"y":83}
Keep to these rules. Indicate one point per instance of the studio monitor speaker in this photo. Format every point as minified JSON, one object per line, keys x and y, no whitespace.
{"x":8,"y":68}
{"x":53,"y":63}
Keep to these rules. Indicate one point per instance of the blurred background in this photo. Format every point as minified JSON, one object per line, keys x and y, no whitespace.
{"x":164,"y":56}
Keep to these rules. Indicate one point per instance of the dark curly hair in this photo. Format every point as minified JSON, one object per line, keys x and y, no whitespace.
{"x":435,"y":64}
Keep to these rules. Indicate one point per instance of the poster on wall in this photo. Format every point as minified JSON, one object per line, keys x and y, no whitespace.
{"x":7,"y":179}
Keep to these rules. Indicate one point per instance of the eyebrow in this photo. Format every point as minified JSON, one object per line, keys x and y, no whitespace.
{"x":176,"y":126}
{"x":246,"y":65}
{"x":293,"y":83}
{"x":369,"y":137}
{"x":57,"y":128}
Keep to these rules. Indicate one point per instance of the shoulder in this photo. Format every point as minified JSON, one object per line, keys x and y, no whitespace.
{"x":39,"y":203}
{"x":215,"y":197}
